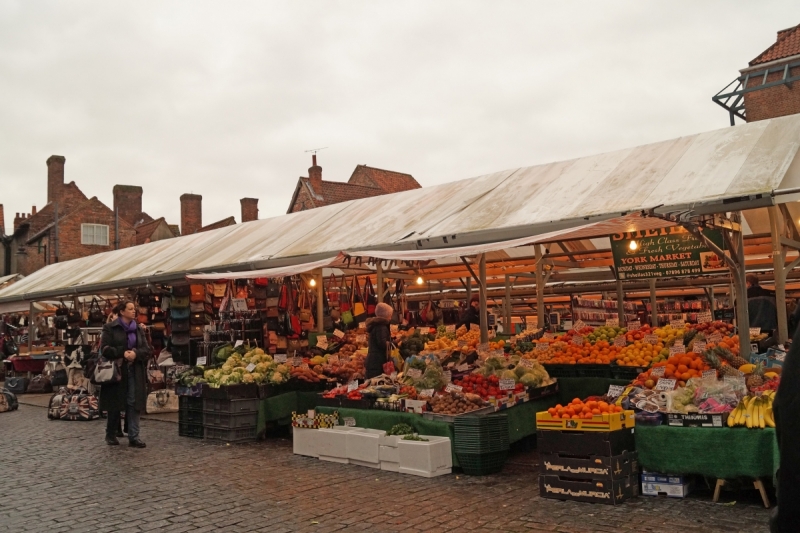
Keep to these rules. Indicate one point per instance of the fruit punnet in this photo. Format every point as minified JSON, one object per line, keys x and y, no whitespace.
{"x":577,"y":409}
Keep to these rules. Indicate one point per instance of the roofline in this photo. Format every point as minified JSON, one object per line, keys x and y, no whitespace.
{"x":385,"y":170}
{"x":769,"y":64}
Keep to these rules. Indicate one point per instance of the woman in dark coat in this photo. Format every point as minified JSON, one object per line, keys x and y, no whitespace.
{"x":123,"y":341}
{"x":379,"y":337}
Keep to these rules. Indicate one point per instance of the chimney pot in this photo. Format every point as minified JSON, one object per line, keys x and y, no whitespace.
{"x":249,"y":209}
{"x":33,"y":210}
{"x":315,"y":175}
{"x":191,"y":213}
{"x":55,"y":177}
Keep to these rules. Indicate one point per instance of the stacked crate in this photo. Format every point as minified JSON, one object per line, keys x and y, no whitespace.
{"x":587,"y":463}
{"x":190,"y":417}
{"x":230,"y":420}
{"x":481,"y":443}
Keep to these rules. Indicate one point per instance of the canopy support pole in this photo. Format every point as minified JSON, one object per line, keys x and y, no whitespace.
{"x":31,"y":327}
{"x":711,"y":300}
{"x":653,"y":304}
{"x":469,"y":289}
{"x":379,"y":280}
{"x":778,"y":263}
{"x":539,"y":286}
{"x":620,"y":303}
{"x":735,"y":241}
{"x":507,"y":304}
{"x":482,"y":282}
{"x":320,"y":307}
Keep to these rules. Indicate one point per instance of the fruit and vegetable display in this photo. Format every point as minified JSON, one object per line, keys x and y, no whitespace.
{"x":253,"y":366}
{"x":578,"y":409}
{"x":754,"y":412}
{"x":456,"y":403}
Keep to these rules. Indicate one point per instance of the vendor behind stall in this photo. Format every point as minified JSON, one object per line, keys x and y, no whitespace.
{"x":472,"y":315}
{"x":379,"y":339}
{"x":761,"y":305}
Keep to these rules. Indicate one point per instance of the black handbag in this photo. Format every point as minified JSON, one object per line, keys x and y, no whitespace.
{"x":73,"y":317}
{"x":181,"y":290}
{"x":180,"y":326}
{"x":96,"y":316}
{"x":17,"y":385}
{"x":10,"y":347}
{"x":60,"y":322}
{"x":180,"y":338}
{"x":273,"y":290}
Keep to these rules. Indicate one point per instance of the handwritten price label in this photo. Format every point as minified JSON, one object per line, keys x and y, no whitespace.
{"x":755,"y":331}
{"x":280,"y":357}
{"x":714,"y":338}
{"x":666,"y":384}
{"x":542,"y":346}
{"x":338,"y":333}
{"x":620,"y":341}
{"x":614,"y":391}
{"x":699,"y":347}
{"x":677,"y":323}
{"x":652,"y":339}
{"x":658,"y":371}
{"x":353,"y":385}
{"x":349,"y":421}
{"x":428,"y":393}
{"x":448,"y":376}
{"x":579,"y":325}
{"x":703,"y":318}
{"x":297,"y":361}
{"x":612,"y":322}
{"x":634,"y":325}
{"x":676,"y":349}
{"x":322,"y":343}
{"x":450,"y":328}
{"x":452,"y":388}
{"x":201,"y":361}
{"x":415,"y":373}
{"x":527,"y":363}
{"x":250,"y":367}
{"x":507,"y":384}
{"x":710,"y":374}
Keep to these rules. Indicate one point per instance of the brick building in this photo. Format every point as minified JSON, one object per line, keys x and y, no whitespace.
{"x":365,"y":182}
{"x":71,"y":225}
{"x":768,"y":86}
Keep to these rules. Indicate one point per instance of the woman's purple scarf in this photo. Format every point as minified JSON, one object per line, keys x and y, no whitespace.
{"x":130,"y":329}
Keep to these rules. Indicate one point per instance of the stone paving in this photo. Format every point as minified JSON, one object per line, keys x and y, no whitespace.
{"x":60,"y":476}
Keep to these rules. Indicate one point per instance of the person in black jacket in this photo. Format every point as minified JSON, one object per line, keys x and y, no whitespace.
{"x":380,"y":336}
{"x":124,"y":342}
{"x":472,"y":315}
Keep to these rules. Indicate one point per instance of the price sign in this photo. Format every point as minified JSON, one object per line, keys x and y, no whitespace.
{"x":755,"y":331}
{"x":714,"y":338}
{"x":304,"y":366}
{"x":322,"y":343}
{"x":542,"y":346}
{"x":531,"y":320}
{"x":737,"y":380}
{"x":615,"y":391}
{"x":710,"y":374}
{"x":462,"y":368}
{"x":361,"y":339}
{"x":239,"y":304}
{"x":280,"y":357}
{"x":362,"y":325}
{"x":349,"y":421}
{"x":754,"y":347}
{"x":297,"y":361}
{"x":250,"y":367}
{"x":507,"y":384}
{"x":665,"y":384}
{"x":443,"y":354}
{"x":678,"y":342}
{"x":780,"y":357}
{"x":450,"y":328}
{"x":238,"y":343}
{"x":201,"y":361}
{"x":548,"y":336}
{"x":415,"y":373}
{"x":577,"y":340}
{"x":699,"y":347}
{"x":634,"y":325}
{"x":676,"y":349}
{"x":448,"y":376}
{"x":702,"y":318}
{"x":426,"y":392}
{"x":474,"y":327}
{"x":677,"y":323}
{"x":620,"y":341}
{"x":497,"y":353}
{"x":527,"y":363}
{"x":338,"y":333}
{"x":394,"y":328}
{"x":612,"y":322}
{"x":484,"y":346}
{"x":579,"y":325}
{"x":353,"y":385}
{"x":333,"y":359}
{"x":652,"y":339}
{"x":658,"y":371}
{"x":492,"y":334}
{"x":452,"y":388}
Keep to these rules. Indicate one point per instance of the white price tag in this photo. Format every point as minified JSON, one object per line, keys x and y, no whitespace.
{"x":658,"y":371}
{"x":699,"y":347}
{"x":353,"y":385}
{"x":710,"y":374}
{"x":280,"y":357}
{"x":239,"y":304}
{"x":507,"y":384}
{"x":338,"y":333}
{"x":614,"y":391}
{"x":333,"y":359}
{"x":542,"y":346}
{"x":452,"y":388}
{"x":448,"y":376}
{"x":714,"y":338}
{"x":304,"y":366}
{"x":250,"y":367}
{"x":652,"y":339}
{"x":620,"y":341}
{"x":676,"y":349}
{"x":781,"y":357}
{"x":703,"y":318}
{"x":665,"y":384}
{"x":527,"y":363}
{"x":361,"y":339}
{"x":201,"y":361}
{"x":238,"y":343}
{"x":297,"y":361}
{"x":755,"y":331}
{"x":450,"y":328}
{"x":577,"y":340}
{"x":415,"y":373}
{"x":612,"y":322}
{"x":677,"y":323}
{"x":634,"y":325}
{"x":349,"y":421}
{"x":497,"y":353}
{"x":394,"y":328}
{"x":428,"y":393}
{"x":579,"y":325}
{"x":322,"y":343}
{"x":362,"y":325}
{"x":463,"y":367}
{"x":754,"y":347}
{"x":738,"y":380}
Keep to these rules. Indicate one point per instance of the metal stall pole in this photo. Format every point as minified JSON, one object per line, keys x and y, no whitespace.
{"x":31,"y":326}
{"x":620,"y":304}
{"x":778,"y":263}
{"x":539,"y":285}
{"x":736,"y":243}
{"x":320,"y":308}
{"x":507,"y":318}
{"x":379,"y":280}
{"x":653,"y":304}
{"x":484,"y":320}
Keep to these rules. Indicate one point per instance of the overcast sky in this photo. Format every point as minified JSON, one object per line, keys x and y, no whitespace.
{"x":223,"y":98}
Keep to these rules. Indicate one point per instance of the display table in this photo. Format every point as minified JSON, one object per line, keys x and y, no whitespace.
{"x":724,"y":453}
{"x":28,"y":363}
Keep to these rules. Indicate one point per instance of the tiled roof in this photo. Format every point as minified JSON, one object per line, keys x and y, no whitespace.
{"x":334,"y":192}
{"x":788,"y":44}
{"x":145,"y":230}
{"x":225,"y":222}
{"x":389,"y":180}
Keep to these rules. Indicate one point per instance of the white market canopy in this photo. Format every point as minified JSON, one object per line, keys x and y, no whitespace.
{"x":743,"y":167}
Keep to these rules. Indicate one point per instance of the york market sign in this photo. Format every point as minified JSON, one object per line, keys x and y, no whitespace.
{"x":665,"y":252}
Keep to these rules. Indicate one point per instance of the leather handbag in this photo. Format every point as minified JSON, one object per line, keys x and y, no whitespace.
{"x":56,"y":371}
{"x":179,"y":314}
{"x":161,"y":401}
{"x":272,"y":323}
{"x":180,"y":338}
{"x":60,"y":322}
{"x":359,"y":309}
{"x":39,"y":385}
{"x":345,"y":298}
{"x":272,"y":312}
{"x":196,"y":330}
{"x":180,"y":326}
{"x":197,"y":319}
{"x":96,"y":315}
{"x":273,"y":302}
{"x":304,"y":306}
{"x":181,"y":291}
{"x":217,"y":302}
{"x":197,"y":307}
{"x":79,"y":406}
{"x":181,"y":302}
{"x":73,"y":317}
{"x":370,"y":298}
{"x":273,"y":290}
{"x":251,"y":303}
{"x":106,"y":372}
{"x":260,"y":304}
{"x":220,"y":289}
{"x":17,"y":385}
{"x":198,"y":293}
{"x":159,"y":326}
{"x":260,"y":292}
{"x":142,"y":319}
{"x":333,"y":295}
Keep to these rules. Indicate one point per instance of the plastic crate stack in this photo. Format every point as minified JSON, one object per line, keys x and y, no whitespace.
{"x":190,"y":417}
{"x":481,"y":443}
{"x":230,"y":420}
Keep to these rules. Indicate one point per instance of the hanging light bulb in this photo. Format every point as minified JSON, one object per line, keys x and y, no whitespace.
{"x":633,"y":245}
{"x":313,"y":282}
{"x":420,"y":281}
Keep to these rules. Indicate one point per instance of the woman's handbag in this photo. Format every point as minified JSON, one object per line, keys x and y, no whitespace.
{"x":370,"y":298}
{"x":17,"y":385}
{"x":219,"y":289}
{"x":305,"y":307}
{"x":179,"y":302}
{"x":182,"y":291}
{"x":73,"y":317}
{"x":106,"y":372}
{"x":359,"y":309}
{"x":179,"y":314}
{"x":180,"y":338}
{"x":333,"y":295}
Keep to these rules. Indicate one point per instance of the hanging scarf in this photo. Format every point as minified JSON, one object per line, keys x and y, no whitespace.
{"x":130,"y":329}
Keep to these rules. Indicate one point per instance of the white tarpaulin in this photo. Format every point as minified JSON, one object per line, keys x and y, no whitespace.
{"x":278,"y":272}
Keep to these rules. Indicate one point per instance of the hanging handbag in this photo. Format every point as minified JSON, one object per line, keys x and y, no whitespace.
{"x":371,"y":299}
{"x":73,"y":317}
{"x":179,"y":314}
{"x":260,"y":292}
{"x":96,"y":316}
{"x":359,"y":309}
{"x":196,"y":330}
{"x":273,"y":290}
{"x":179,"y":302}
{"x":220,"y":289}
{"x":180,"y":338}
{"x":182,"y":291}
{"x":106,"y":372}
{"x":197,"y":307}
{"x":197,"y":293}
{"x":180,"y":326}
{"x":304,"y":307}
{"x":345,"y":303}
{"x":345,"y":306}
{"x":333,"y":294}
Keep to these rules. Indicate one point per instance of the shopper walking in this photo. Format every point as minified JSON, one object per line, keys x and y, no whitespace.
{"x":124,"y":342}
{"x":379,"y":338}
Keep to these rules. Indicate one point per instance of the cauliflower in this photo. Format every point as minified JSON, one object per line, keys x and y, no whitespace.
{"x":248,"y":378}
{"x":261,"y":368}
{"x":276,"y":378}
{"x":283,"y":369}
{"x":259,"y":377}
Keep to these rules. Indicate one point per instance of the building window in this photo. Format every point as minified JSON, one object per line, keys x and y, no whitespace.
{"x":94,"y":234}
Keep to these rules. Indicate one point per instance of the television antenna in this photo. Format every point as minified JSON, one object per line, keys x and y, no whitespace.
{"x":315,"y":150}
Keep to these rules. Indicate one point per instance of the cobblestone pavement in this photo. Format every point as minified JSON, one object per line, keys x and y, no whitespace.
{"x":60,"y":476}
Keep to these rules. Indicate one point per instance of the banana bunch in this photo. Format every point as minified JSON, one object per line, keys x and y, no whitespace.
{"x":754,"y":412}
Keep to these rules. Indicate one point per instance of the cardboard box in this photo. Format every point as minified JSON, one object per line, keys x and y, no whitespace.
{"x":593,"y":467}
{"x":429,"y":458}
{"x":602,"y":422}
{"x":670,"y":490}
{"x":415,"y":406}
{"x":611,"y":492}
{"x":698,"y":420}
{"x":669,"y":479}
{"x":585,"y":444}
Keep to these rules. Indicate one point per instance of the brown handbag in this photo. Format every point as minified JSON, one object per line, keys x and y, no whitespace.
{"x":198,"y":293}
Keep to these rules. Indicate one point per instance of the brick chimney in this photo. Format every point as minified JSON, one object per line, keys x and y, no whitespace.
{"x":19,"y":219}
{"x":191,"y":213}
{"x":249,"y":209}
{"x":33,"y":210}
{"x":55,"y":177}
{"x":2,"y":220}
{"x":315,"y":175}
{"x":128,"y":202}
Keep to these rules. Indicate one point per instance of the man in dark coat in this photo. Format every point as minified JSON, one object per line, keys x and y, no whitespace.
{"x":380,"y":336}
{"x":472,"y":315}
{"x":124,"y":341}
{"x":786,"y":409}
